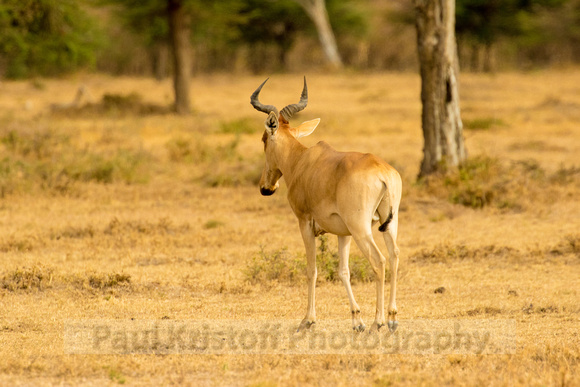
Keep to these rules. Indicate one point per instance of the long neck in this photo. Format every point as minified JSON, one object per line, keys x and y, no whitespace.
{"x":288,"y":153}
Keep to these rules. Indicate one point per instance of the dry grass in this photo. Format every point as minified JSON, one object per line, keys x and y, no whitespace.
{"x":123,"y":211}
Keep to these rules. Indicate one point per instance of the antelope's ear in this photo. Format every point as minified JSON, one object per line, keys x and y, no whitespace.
{"x":306,"y":128}
{"x":272,"y":123}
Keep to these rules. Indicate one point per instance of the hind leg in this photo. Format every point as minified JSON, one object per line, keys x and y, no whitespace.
{"x":344,"y":275}
{"x":366,"y":244}
{"x":390,"y":237}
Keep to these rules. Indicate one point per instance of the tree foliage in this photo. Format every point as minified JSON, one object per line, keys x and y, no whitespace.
{"x":210,"y":20}
{"x":487,"y":21}
{"x":52,"y":37}
{"x":45,"y":37}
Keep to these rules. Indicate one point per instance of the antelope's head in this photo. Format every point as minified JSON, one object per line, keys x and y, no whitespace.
{"x":277,"y":130}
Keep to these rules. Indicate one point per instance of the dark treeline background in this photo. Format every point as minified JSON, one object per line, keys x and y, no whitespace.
{"x":55,"y":37}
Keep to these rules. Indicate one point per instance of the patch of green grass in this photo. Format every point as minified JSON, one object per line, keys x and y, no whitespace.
{"x":43,"y":159}
{"x":483,"y":123}
{"x":188,"y":150}
{"x":124,"y":165}
{"x":37,"y":84}
{"x":239,"y":126}
{"x":195,"y":150}
{"x":212,"y":223}
{"x":116,"y":376}
{"x":36,"y":144}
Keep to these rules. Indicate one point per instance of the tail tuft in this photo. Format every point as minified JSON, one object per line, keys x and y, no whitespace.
{"x":383,"y":227}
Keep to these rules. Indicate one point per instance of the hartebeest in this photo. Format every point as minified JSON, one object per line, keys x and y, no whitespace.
{"x":342,"y":193}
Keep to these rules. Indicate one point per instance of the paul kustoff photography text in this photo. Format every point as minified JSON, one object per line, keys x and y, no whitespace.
{"x":414,"y":337}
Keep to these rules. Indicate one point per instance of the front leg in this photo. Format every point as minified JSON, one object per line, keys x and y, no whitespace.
{"x":310,"y":245}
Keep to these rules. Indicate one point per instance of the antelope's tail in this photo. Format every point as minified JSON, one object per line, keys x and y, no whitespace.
{"x":383,"y":227}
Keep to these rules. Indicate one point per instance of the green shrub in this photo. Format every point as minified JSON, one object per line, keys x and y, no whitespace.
{"x":181,"y":149}
{"x":484,"y":181}
{"x":327,"y":262}
{"x":277,"y":265}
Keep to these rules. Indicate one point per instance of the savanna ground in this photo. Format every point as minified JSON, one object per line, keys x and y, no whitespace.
{"x":118,"y":210}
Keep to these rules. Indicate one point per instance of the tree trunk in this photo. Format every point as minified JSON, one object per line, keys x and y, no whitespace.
{"x":160,"y":54}
{"x":441,"y":120}
{"x":316,"y":10}
{"x":179,"y":34}
{"x":488,"y":65}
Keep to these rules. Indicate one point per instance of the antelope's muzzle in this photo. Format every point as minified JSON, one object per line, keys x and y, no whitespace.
{"x":267,"y":191}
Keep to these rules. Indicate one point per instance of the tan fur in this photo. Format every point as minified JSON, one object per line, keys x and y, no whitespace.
{"x":342,"y":193}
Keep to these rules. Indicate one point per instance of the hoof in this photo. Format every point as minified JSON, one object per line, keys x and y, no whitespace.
{"x":305,"y":324}
{"x":359,"y":328}
{"x":393,"y":325}
{"x":376,"y":327}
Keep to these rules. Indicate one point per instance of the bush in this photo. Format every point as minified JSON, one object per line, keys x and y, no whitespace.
{"x":327,"y":261}
{"x":107,"y":281}
{"x":116,"y":105}
{"x":448,"y":253}
{"x":484,"y":181}
{"x":278,"y":265}
{"x":37,"y":277}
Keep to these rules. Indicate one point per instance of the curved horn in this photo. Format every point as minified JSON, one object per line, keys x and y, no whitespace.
{"x":290,"y":110}
{"x":258,"y":105}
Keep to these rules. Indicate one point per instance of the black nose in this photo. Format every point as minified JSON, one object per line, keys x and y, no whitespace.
{"x":266,"y":191}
